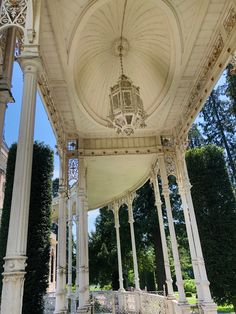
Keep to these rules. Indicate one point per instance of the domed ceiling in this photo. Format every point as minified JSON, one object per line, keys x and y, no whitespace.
{"x":147,"y":57}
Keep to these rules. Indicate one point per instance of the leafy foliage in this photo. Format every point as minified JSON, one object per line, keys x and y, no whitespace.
{"x":103,"y":254}
{"x":7,"y":206}
{"x":38,"y":243}
{"x":215,"y":208}
{"x":231,"y":87}
{"x":218,"y":126}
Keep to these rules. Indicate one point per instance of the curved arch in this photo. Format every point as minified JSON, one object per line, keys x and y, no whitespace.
{"x":6,"y":26}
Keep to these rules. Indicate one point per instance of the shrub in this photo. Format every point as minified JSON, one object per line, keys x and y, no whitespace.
{"x":189,"y":286}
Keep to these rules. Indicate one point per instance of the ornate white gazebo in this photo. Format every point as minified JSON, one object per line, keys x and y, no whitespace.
{"x":69,"y":51}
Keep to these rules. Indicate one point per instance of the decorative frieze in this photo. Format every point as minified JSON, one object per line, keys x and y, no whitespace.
{"x":3,"y":43}
{"x":170,"y":164}
{"x":230,"y":21}
{"x":13,"y":13}
{"x":204,"y":75}
{"x":54,"y":115}
{"x":199,"y":90}
{"x":73,"y":170}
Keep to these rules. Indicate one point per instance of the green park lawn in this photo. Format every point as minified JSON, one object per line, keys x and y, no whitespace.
{"x":220,"y":308}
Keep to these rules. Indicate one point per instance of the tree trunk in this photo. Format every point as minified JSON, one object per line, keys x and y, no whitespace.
{"x":160,"y":269}
{"x":221,"y":128}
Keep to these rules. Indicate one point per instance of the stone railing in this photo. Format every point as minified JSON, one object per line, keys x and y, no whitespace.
{"x":113,"y":302}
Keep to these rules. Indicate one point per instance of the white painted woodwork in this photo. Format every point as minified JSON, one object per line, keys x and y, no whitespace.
{"x":133,"y":244}
{"x":70,"y":244}
{"x":170,"y":291}
{"x":15,"y":260}
{"x":174,"y":245}
{"x":115,"y":210}
{"x":83,"y":236}
{"x":61,"y":303}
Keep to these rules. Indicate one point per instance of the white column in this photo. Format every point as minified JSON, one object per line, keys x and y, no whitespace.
{"x":83,"y":237}
{"x":115,"y":210}
{"x":6,"y":76}
{"x":61,"y":302}
{"x":193,"y":235}
{"x":15,"y":260}
{"x":170,"y":291}
{"x":70,"y":224}
{"x":3,"y":106}
{"x":192,"y":247}
{"x":174,"y":245}
{"x":77,"y":247}
{"x":134,"y":252}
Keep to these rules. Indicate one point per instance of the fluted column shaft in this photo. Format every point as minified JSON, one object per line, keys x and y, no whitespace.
{"x":70,"y":224}
{"x":174,"y":245}
{"x":15,"y":260}
{"x":83,"y":236}
{"x":61,"y":304}
{"x":77,"y":246}
{"x":117,"y":227}
{"x":163,"y":238}
{"x":193,"y":234}
{"x":134,"y":252}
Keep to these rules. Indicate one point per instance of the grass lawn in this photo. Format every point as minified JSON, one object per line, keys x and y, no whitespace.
{"x":220,"y":308}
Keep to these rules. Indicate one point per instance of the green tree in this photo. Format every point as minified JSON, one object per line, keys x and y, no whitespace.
{"x":195,"y":137}
{"x":55,"y":187}
{"x":215,"y":208}
{"x":103,"y":254}
{"x":6,"y":206}
{"x":231,"y":87}
{"x":38,"y":243}
{"x":218,"y":126}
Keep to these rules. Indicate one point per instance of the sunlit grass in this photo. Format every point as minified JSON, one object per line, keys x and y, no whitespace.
{"x":221,"y":308}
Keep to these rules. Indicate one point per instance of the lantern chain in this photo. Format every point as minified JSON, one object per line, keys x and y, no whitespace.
{"x":121,"y":48}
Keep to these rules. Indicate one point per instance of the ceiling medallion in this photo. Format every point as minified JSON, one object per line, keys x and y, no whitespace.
{"x":126,"y":106}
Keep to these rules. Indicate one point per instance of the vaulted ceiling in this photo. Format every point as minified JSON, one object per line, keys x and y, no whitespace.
{"x":175,"y":50}
{"x":167,"y":45}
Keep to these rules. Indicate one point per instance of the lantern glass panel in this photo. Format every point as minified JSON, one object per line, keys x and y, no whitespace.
{"x":129,"y":119}
{"x":116,"y":103}
{"x":127,"y":99}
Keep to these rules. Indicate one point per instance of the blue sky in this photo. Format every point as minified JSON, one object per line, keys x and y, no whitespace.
{"x":43,"y":130}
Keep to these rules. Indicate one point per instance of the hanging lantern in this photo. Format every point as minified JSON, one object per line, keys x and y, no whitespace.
{"x":126,"y":107}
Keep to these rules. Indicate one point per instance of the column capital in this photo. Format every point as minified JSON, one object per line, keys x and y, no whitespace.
{"x":31,"y":64}
{"x":130,"y":211}
{"x":115,"y":209}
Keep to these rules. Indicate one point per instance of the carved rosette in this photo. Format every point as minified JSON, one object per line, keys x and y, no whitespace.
{"x":14,"y":264}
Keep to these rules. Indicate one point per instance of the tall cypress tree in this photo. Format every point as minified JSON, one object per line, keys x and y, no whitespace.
{"x":38,"y":243}
{"x":7,"y":206}
{"x":218,"y":125}
{"x":215,"y":208}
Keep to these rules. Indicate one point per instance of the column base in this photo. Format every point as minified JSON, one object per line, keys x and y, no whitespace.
{"x":61,"y":312}
{"x":185,"y":308}
{"x":209,"y":308}
{"x":13,"y":283}
{"x":175,"y":307}
{"x":171,"y":297}
{"x":86,"y":309}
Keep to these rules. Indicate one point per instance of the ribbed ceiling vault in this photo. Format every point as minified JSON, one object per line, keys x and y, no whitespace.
{"x":148,"y":60}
